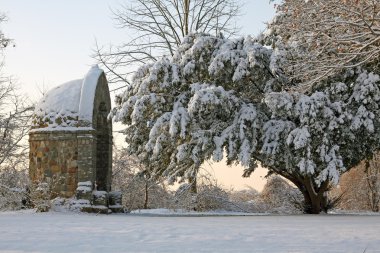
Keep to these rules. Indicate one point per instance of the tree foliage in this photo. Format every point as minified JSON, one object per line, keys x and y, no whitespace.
{"x":217,"y":96}
{"x":327,"y":36}
{"x":157,"y":28}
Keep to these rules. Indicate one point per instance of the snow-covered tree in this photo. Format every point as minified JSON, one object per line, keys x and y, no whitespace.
{"x":327,"y":36}
{"x":157,"y":28}
{"x":217,"y":96}
{"x":171,"y":103}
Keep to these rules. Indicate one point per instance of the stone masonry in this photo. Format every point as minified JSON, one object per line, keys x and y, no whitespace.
{"x":71,"y":143}
{"x":63,"y":158}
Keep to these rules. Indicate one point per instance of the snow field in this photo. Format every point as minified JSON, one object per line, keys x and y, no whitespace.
{"x":68,"y":232}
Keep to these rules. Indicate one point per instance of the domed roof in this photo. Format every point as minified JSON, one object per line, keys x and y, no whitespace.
{"x":68,"y":106}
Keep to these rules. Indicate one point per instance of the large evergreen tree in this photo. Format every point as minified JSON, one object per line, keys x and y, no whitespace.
{"x":217,"y":96}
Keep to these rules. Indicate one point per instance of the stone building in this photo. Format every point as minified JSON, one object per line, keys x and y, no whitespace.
{"x":71,"y":137}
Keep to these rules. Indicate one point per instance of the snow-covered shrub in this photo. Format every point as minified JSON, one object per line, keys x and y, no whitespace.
{"x":42,"y":193}
{"x":244,"y":195}
{"x":183,"y":198}
{"x":208,"y":197}
{"x":11,"y":198}
{"x":212,"y":197}
{"x":13,"y":189}
{"x":279,"y":196}
{"x":248,"y":200}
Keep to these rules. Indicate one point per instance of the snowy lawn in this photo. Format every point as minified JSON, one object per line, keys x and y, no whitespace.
{"x":70,"y":232}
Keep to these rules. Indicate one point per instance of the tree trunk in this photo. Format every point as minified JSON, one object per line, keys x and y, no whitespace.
{"x":372,"y":177}
{"x":318,"y":204}
{"x":186,"y":13}
{"x":146,"y":196}
{"x":315,"y":199}
{"x":374,"y":200}
{"x":314,"y":204}
{"x":194,"y":192}
{"x":193,"y":185}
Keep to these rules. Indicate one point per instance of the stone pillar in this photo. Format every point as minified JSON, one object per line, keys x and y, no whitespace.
{"x":109,"y":176}
{"x":86,"y":155}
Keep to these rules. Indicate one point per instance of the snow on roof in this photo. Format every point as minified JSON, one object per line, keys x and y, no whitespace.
{"x":68,"y":105}
{"x":86,"y":103}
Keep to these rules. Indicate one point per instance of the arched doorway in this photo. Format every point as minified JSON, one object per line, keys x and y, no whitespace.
{"x":102,"y":149}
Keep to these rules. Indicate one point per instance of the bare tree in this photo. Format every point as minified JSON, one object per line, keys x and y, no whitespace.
{"x":140,"y":190}
{"x":328,"y":36}
{"x":14,"y":124}
{"x":4,"y":40}
{"x":352,"y":187}
{"x":372,"y":176}
{"x":15,"y":114}
{"x":158,"y":27}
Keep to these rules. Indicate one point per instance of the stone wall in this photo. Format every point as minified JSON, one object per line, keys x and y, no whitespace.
{"x":62,"y":158}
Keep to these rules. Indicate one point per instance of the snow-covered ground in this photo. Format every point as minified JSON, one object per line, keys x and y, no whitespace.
{"x":70,"y":232}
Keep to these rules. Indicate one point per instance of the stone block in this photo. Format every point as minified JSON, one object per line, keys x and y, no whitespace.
{"x":73,"y":170}
{"x":71,"y":180}
{"x":48,"y":173}
{"x":117,"y":209}
{"x":84,"y":190}
{"x":64,"y":168}
{"x":115,"y":198}
{"x":55,"y":169}
{"x":52,"y":163}
{"x":100,"y":198}
{"x":73,"y":163}
{"x":95,"y":209}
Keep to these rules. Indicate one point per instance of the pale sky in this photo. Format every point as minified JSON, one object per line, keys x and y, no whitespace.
{"x":54,"y":41}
